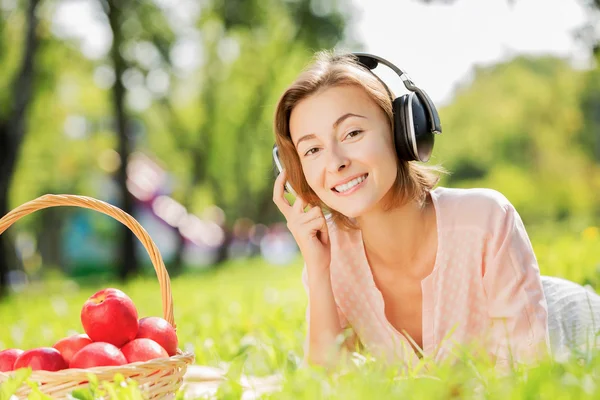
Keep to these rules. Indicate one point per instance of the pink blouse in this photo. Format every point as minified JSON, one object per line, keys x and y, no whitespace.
{"x":485,"y":288}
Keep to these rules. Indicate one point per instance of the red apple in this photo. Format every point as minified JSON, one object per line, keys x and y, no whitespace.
{"x":110,"y":316}
{"x":98,"y":354}
{"x":8,"y":358}
{"x":143,"y":349}
{"x":69,"y":346}
{"x":42,"y":358}
{"x":159,"y":330}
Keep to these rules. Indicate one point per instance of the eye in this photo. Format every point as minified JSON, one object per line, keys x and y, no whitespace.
{"x":354,"y":133}
{"x":311,"y":151}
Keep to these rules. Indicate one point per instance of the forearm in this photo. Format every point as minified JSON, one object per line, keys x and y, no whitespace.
{"x":323,"y":326}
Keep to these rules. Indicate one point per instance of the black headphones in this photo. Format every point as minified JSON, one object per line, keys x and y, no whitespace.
{"x":416,"y":119}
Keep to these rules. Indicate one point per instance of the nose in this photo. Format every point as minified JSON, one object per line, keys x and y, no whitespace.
{"x":338,"y":160}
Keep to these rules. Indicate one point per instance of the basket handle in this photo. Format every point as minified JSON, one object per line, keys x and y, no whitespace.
{"x":53,"y":200}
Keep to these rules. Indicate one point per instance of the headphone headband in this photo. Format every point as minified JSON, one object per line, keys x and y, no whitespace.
{"x":371,"y":61}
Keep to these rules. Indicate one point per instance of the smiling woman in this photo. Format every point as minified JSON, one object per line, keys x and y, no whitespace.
{"x":411,"y":268}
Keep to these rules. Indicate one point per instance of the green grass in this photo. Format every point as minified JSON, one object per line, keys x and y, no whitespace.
{"x":250,"y":316}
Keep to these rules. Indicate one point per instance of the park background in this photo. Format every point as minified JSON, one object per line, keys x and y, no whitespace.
{"x":164,"y":109}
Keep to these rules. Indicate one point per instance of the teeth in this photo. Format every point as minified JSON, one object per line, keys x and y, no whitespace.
{"x":350,"y":185}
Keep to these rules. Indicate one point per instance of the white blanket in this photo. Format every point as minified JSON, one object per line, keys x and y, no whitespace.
{"x":573,"y":317}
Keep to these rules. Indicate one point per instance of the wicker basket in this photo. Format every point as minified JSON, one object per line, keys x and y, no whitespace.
{"x":159,"y":378}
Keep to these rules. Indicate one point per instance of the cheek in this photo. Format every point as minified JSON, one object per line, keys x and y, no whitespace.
{"x":315,"y":176}
{"x":383,"y":156}
{"x":377,"y":153}
{"x":312,"y":176}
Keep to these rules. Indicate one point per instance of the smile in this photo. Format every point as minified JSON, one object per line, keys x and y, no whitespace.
{"x":351,"y":186}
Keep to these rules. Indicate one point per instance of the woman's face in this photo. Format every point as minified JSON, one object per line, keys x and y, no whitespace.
{"x":345,"y":146}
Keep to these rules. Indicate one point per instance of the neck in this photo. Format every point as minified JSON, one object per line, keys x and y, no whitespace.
{"x":396,"y":239}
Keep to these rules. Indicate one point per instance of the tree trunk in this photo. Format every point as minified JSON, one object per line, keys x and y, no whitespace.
{"x":129,"y":264}
{"x":8,"y":256}
{"x":12,"y":131}
{"x":49,"y":239}
{"x":5,"y":245}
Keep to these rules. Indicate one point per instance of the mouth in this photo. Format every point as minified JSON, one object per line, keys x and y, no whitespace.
{"x":350,"y":186}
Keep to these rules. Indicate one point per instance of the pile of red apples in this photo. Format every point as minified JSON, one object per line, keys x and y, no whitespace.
{"x":113,"y":336}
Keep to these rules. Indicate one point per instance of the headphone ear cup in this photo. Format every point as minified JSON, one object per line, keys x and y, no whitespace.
{"x":423,"y":136}
{"x":402,"y":134}
{"x":417,"y":139}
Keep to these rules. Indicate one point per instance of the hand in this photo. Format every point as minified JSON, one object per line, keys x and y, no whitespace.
{"x":308,"y":228}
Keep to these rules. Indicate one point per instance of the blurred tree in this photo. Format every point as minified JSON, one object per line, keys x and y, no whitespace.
{"x":590,"y":104}
{"x":13,"y":120}
{"x":69,"y":139}
{"x":115,"y":11}
{"x":131,"y":23}
{"x":583,"y":130}
{"x":589,"y":32}
{"x":89,"y":120}
{"x":589,"y":135}
{"x":250,"y":49}
{"x":517,"y":128}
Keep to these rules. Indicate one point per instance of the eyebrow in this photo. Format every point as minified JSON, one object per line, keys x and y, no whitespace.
{"x":335,"y":125}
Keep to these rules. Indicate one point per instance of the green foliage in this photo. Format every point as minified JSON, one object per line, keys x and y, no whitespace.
{"x":210,"y":127}
{"x":10,"y":387}
{"x":589,"y":135}
{"x":517,"y":127}
{"x":13,"y":26}
{"x":222,"y":142}
{"x":117,"y":389}
{"x":527,"y":127}
{"x":120,"y":388}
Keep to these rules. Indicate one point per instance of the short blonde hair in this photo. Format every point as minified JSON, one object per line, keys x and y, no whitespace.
{"x":413,"y":180}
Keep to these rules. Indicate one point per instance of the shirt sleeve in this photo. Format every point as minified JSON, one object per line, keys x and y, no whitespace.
{"x":516,"y":302}
{"x":342,"y":318}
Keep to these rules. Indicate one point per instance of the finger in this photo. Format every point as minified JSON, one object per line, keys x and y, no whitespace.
{"x":308,"y":218}
{"x":299,"y":204}
{"x":325,"y":232}
{"x":279,"y":193}
{"x":314,"y":212}
{"x":319,"y":225}
{"x":317,"y":212}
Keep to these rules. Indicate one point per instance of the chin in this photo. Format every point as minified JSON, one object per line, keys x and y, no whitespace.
{"x":352,"y":211}
{"x":359,"y":206}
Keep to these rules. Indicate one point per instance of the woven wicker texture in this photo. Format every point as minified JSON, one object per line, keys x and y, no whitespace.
{"x":159,"y":378}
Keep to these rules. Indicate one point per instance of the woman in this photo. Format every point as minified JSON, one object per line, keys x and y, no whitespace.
{"x":412,"y":268}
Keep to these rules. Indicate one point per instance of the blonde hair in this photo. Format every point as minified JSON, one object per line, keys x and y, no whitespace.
{"x":413,"y":180}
